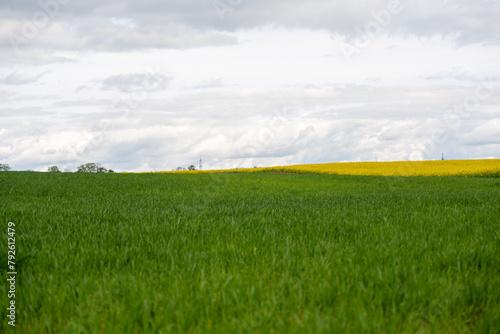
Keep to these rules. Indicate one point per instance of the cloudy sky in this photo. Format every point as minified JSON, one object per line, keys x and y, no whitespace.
{"x":154,"y":84}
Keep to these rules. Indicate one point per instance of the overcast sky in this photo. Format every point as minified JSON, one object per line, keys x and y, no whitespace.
{"x":155,"y":84}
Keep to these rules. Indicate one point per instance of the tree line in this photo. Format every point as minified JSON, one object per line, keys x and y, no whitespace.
{"x":90,"y":167}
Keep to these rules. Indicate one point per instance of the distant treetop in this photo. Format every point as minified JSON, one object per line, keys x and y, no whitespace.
{"x":4,"y":167}
{"x":91,"y":168}
{"x":53,"y":169}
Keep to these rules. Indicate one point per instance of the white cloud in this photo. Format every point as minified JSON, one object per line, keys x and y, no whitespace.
{"x":154,"y":85}
{"x":484,"y":134}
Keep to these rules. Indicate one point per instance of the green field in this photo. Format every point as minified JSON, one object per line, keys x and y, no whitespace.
{"x":257,"y":252}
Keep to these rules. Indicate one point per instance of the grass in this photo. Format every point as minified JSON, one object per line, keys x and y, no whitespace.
{"x":252,"y":252}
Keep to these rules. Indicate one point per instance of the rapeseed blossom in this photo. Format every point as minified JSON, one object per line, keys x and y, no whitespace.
{"x":482,"y":167}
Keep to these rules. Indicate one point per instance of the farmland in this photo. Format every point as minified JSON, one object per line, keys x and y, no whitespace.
{"x":475,"y":167}
{"x":252,"y":252}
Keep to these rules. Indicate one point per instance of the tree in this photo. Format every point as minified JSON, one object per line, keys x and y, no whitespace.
{"x":91,"y":167}
{"x":180,"y":168}
{"x":191,"y":167}
{"x":101,"y":169}
{"x":4,"y":167}
{"x":53,"y":169}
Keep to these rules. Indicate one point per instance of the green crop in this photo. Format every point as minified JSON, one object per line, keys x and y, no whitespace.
{"x":257,"y":252}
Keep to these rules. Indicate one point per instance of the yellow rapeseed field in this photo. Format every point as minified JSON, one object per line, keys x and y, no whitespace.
{"x":483,"y":167}
{"x":406,"y":168}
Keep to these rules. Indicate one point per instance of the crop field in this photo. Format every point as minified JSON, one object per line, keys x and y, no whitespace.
{"x":478,"y":167}
{"x":258,"y":252}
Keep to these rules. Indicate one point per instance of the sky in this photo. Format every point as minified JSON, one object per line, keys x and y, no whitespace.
{"x":157,"y":84}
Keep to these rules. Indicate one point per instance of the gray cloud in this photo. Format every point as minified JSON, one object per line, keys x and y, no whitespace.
{"x":460,"y":76}
{"x":29,"y":57}
{"x":261,"y":129}
{"x":125,"y":82}
{"x":16,"y":78}
{"x":124,"y":25}
{"x":210,"y":83}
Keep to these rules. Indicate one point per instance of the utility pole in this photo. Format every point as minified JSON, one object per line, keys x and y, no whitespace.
{"x":201,"y":166}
